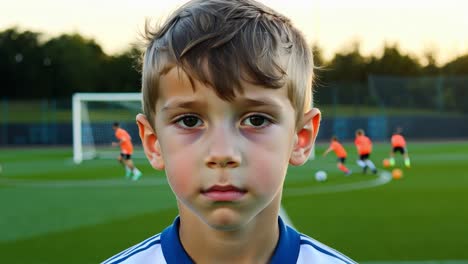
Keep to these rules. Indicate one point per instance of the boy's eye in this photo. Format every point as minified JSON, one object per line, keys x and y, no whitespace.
{"x":189,"y":121}
{"x":256,"y":121}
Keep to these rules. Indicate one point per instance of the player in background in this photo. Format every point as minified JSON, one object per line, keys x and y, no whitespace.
{"x":126,"y":150}
{"x":364,"y":149}
{"x":341,"y":154}
{"x":399,"y":145}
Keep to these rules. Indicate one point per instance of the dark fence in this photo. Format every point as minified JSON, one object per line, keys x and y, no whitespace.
{"x":382,"y":127}
{"x":60,"y":134}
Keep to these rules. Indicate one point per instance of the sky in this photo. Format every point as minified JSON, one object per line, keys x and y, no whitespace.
{"x":418,"y":27}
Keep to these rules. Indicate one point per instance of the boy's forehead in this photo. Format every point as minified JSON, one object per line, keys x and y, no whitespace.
{"x":175,"y":85}
{"x":176,"y":80}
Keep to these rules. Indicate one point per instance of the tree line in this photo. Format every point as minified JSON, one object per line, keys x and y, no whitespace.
{"x":348,"y":71}
{"x":58,"y":67}
{"x":34,"y":67}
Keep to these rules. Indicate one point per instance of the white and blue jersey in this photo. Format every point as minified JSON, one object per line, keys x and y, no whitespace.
{"x":166,"y":247}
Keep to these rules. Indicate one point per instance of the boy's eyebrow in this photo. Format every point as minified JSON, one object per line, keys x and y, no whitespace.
{"x":244,"y":102}
{"x":182,"y":104}
{"x":250,"y":102}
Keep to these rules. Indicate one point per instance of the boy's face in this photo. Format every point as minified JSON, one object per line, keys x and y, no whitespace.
{"x":225,"y":161}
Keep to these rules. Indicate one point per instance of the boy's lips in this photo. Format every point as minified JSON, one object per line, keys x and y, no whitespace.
{"x":224,"y":193}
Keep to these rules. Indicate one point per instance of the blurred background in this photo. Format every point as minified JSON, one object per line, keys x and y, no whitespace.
{"x":380,"y":65}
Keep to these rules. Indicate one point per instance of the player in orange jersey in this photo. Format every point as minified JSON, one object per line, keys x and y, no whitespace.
{"x":399,"y":145}
{"x":341,"y":154}
{"x":126,"y":151}
{"x":364,"y":149}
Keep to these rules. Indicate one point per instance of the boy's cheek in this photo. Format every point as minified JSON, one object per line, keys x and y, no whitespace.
{"x":180,"y":176}
{"x":267,"y":173}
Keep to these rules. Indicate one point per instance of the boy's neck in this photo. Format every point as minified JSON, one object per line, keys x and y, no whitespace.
{"x":254,"y":243}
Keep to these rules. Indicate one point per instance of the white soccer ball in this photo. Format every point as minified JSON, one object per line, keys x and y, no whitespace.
{"x":321,"y":175}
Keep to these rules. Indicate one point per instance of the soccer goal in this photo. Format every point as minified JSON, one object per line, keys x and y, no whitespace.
{"x":93,"y":116}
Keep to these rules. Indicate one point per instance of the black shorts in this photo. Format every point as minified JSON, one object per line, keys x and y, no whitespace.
{"x":125,"y":156}
{"x":342,"y":160}
{"x":364,"y":156}
{"x":399,"y":149}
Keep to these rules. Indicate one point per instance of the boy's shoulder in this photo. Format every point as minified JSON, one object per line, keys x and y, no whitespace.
{"x":293,"y":247}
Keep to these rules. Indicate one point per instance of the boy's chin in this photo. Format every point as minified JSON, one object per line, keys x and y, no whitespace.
{"x":225,"y":219}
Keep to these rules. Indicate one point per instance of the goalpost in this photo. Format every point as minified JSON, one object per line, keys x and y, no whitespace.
{"x":93,"y":116}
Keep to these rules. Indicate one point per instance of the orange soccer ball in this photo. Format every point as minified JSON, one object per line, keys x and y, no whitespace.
{"x":386,"y":163}
{"x":397,"y":174}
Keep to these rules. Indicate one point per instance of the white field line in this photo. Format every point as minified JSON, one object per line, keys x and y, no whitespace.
{"x":383,"y":178}
{"x":83,"y":183}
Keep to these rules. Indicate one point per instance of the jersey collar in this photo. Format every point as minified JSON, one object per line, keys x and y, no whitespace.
{"x":286,"y":251}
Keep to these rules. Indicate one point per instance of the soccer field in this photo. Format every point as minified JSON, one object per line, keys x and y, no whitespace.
{"x":53,"y":211}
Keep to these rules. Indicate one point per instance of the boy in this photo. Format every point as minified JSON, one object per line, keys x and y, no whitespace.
{"x":364,"y":149}
{"x":341,"y":154}
{"x":226,"y":96}
{"x":399,"y":145}
{"x":126,"y":150}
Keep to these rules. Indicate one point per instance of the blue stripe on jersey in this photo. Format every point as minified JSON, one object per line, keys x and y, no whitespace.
{"x":303,"y":241}
{"x":131,"y":248}
{"x":171,"y":246}
{"x":137,"y":251}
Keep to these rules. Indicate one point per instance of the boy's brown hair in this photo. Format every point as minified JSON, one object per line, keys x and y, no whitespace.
{"x":220,"y":43}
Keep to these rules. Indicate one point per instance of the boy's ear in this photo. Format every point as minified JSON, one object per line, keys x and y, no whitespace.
{"x":150,"y":142}
{"x":305,"y":137}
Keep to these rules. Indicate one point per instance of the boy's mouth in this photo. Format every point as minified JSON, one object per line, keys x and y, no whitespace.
{"x":224,"y":193}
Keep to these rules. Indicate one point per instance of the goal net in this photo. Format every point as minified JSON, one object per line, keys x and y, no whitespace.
{"x":93,"y":116}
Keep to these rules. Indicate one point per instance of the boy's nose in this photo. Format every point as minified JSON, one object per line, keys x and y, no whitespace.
{"x":223,"y":151}
{"x":226,"y":162}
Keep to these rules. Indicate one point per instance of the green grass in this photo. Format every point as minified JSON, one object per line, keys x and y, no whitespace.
{"x":53,"y":211}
